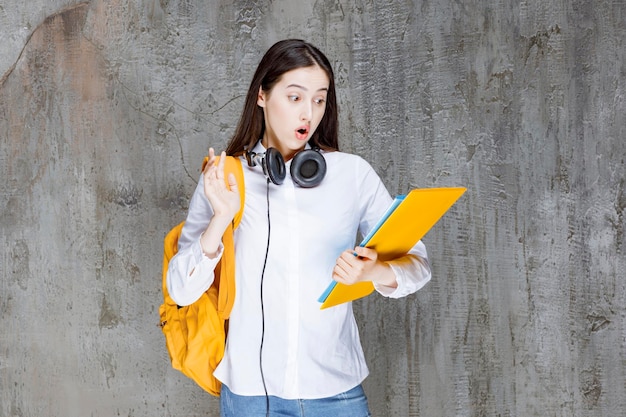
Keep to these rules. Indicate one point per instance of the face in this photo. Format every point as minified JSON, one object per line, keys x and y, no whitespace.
{"x":293,"y":109}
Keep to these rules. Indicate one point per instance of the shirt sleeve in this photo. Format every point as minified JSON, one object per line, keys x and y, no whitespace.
{"x":412,"y":270}
{"x":190,"y":271}
{"x":412,"y":273}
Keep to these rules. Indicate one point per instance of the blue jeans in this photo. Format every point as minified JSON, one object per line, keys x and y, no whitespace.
{"x":351,"y":403}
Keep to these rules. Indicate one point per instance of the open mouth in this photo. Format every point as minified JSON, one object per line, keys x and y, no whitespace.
{"x":302,"y":132}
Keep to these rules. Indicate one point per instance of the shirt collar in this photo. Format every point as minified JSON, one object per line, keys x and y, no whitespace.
{"x":259,"y":148}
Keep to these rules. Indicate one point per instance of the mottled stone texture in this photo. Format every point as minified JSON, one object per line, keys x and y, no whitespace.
{"x":106,"y":108}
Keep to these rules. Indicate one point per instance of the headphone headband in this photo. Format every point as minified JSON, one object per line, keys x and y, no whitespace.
{"x":308,"y":167}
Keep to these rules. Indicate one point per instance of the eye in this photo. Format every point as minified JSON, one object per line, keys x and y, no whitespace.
{"x":294,"y":97}
{"x":319,"y":101}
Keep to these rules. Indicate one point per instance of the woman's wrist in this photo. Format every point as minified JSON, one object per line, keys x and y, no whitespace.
{"x":212,"y":237}
{"x":385,"y":275}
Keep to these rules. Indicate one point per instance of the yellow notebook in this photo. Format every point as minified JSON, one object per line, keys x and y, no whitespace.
{"x":408,"y":219}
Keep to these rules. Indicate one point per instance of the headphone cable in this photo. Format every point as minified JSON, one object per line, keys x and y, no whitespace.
{"x":267,"y":398}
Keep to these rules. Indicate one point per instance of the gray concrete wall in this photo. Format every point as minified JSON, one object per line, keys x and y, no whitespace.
{"x":106,"y":108}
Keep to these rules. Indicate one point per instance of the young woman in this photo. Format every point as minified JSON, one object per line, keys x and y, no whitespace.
{"x":297,"y":234}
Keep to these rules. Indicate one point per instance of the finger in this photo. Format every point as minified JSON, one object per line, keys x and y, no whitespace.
{"x":343,"y":276}
{"x":366,"y":253}
{"x":342,"y":264}
{"x":210,"y":171}
{"x":232,"y":182}
{"x":339,"y":274}
{"x":210,"y":160}
{"x":349,"y":257}
{"x":346,"y":269}
{"x":220,"y":165}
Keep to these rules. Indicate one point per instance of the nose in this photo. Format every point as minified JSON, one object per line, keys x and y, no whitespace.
{"x":306,"y":112}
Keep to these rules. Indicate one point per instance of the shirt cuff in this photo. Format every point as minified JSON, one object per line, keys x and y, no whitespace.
{"x":411,"y":275}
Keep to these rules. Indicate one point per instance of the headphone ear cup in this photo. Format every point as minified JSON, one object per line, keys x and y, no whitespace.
{"x":308,"y":168}
{"x":274,"y":166}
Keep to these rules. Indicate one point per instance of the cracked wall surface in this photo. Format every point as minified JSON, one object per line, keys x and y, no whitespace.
{"x":107,"y":106}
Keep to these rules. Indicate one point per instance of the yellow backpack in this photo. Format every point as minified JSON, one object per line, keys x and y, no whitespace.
{"x":195,"y":335}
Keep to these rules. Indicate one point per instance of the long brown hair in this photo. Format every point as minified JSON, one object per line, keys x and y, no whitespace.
{"x":285,"y":56}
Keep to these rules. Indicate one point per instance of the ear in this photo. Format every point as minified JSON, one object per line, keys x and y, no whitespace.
{"x":260,"y":101}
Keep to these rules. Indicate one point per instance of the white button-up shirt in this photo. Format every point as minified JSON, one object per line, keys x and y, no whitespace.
{"x":306,"y":352}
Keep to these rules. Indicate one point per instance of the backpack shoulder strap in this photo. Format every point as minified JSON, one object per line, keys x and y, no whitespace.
{"x":225,"y":272}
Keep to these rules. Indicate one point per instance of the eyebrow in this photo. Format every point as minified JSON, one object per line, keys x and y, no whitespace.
{"x":306,"y":89}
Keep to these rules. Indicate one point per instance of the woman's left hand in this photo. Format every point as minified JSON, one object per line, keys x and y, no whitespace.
{"x":362,"y":264}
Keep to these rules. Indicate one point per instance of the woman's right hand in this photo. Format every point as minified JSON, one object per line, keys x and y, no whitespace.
{"x":224,"y":200}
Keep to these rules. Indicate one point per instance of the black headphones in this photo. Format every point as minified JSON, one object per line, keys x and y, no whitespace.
{"x":308,"y":167}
